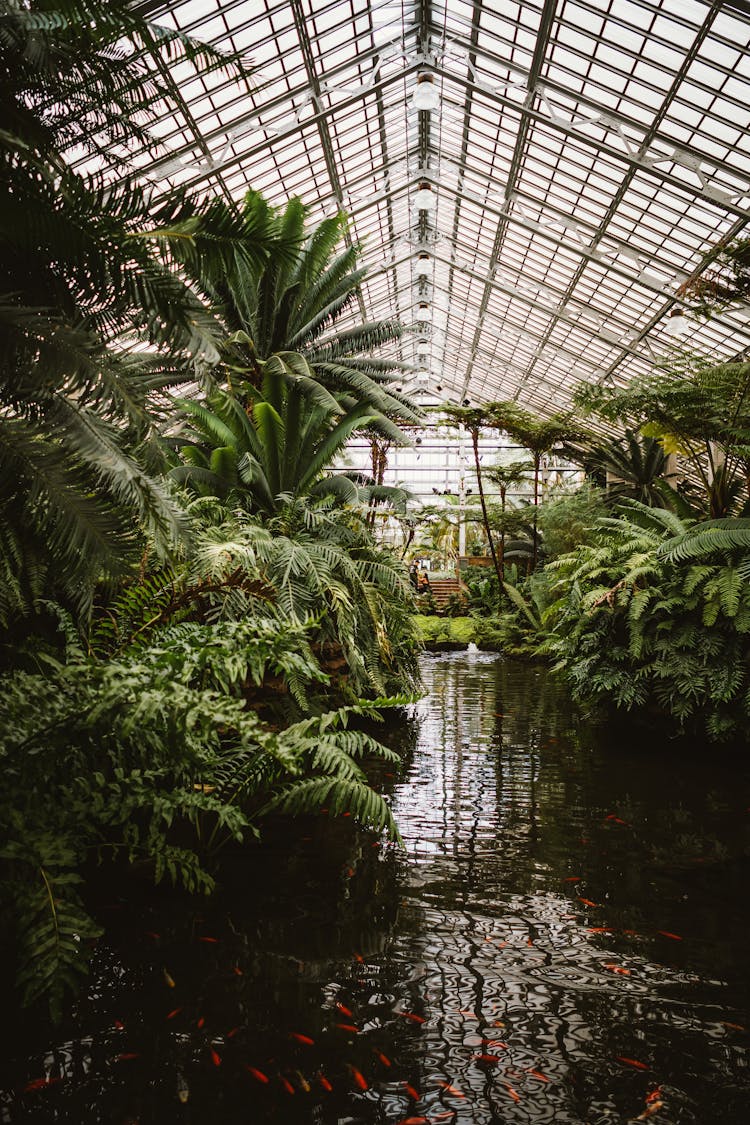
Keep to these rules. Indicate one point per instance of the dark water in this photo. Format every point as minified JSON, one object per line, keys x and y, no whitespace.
{"x":572,"y":906}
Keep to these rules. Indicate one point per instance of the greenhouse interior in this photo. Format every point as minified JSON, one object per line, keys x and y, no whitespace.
{"x":375,"y":548}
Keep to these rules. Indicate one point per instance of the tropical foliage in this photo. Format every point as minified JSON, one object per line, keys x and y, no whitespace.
{"x":117,"y":760}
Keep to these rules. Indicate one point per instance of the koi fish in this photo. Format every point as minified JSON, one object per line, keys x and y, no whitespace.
{"x":599,"y":930}
{"x":237,"y":971}
{"x":491,"y":1060}
{"x":359,"y":1078}
{"x":413,"y":1017}
{"x":286,"y":1084}
{"x":412,"y":1092}
{"x":654,"y":1095}
{"x":231,"y":1034}
{"x":304,"y":1084}
{"x":40,"y":1083}
{"x":538,"y":1074}
{"x":258,"y":1074}
{"x":616,"y":819}
{"x":119,"y":1025}
{"x":383,"y":1058}
{"x":175,"y":1012}
{"x":631,"y":1062}
{"x":127,"y":1056}
{"x":413,"y":1120}
{"x":210,"y":940}
{"x":359,"y":957}
{"x":496,"y":1043}
{"x":152,"y":934}
{"x":450,"y":1089}
{"x":215,"y":1058}
{"x":512,"y":1093}
{"x":572,"y":879}
{"x":529,"y":941}
{"x":183,"y":1090}
{"x":325,"y":1083}
{"x":344,"y":1010}
{"x":348,"y":1027}
{"x":586,"y":901}
{"x":167,"y":979}
{"x":649,"y":1110}
{"x":200,"y":1022}
{"x":617,"y":969}
{"x":666,"y":933}
{"x":734,"y":1026}
{"x":302,"y":1038}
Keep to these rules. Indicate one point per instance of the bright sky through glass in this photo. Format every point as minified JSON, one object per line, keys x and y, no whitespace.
{"x":584,"y":157}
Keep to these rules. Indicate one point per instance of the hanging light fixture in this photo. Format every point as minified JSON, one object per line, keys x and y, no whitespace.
{"x":677,"y":324}
{"x":423,"y":267}
{"x":423,"y":347}
{"x":425,"y":198}
{"x":423,"y":312}
{"x":426,"y":95}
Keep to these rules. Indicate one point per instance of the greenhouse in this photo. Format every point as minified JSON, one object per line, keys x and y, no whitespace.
{"x":375,"y":549}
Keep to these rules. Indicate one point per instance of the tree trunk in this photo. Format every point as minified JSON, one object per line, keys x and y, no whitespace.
{"x":485,"y":517}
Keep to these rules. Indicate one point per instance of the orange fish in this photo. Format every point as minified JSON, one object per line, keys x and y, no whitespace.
{"x":40,"y":1083}
{"x":413,"y":1120}
{"x":496,"y":1043}
{"x":617,"y":969}
{"x":210,"y":940}
{"x":359,"y":1078}
{"x":512,"y":1093}
{"x":666,"y":933}
{"x":413,"y":1017}
{"x":538,"y":1074}
{"x":359,"y":957}
{"x":649,"y":1110}
{"x":586,"y":901}
{"x":654,"y":1095}
{"x":231,"y":1034}
{"x":572,"y":879}
{"x":631,"y":1062}
{"x":344,"y":1010}
{"x":200,"y":1022}
{"x":237,"y":970}
{"x":302,"y":1038}
{"x":128,"y":1055}
{"x":348,"y":1027}
{"x":168,"y":979}
{"x":175,"y":1012}
{"x":599,"y":929}
{"x":411,"y":1091}
{"x":490,"y":1059}
{"x":734,"y":1026}
{"x":451,"y":1089}
{"x":383,"y":1058}
{"x":616,"y":819}
{"x":261,"y":1077}
{"x":119,"y":1025}
{"x":529,"y":941}
{"x":325,"y":1083}
{"x":286,"y":1084}
{"x":215,"y":1058}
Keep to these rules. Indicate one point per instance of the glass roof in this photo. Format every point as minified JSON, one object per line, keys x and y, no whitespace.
{"x":576,"y":160}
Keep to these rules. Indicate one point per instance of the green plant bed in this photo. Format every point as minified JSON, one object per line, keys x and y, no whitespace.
{"x":441,"y":633}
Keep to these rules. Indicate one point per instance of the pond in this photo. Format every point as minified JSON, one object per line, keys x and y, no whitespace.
{"x":563,"y":938}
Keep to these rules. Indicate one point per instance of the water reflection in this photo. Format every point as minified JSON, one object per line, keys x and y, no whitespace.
{"x":563,"y":939}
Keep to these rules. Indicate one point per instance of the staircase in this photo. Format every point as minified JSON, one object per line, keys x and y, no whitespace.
{"x":443,"y":589}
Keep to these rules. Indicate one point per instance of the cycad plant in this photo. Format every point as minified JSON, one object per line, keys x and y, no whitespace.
{"x":295,"y":303}
{"x":630,"y":465}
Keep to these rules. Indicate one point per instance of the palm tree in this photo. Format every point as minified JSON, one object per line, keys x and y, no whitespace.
{"x":538,"y":435}
{"x":84,"y":264}
{"x":504,"y":476}
{"x":474,"y":419}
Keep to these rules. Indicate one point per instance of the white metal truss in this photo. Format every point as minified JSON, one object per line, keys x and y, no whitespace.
{"x":586,"y":158}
